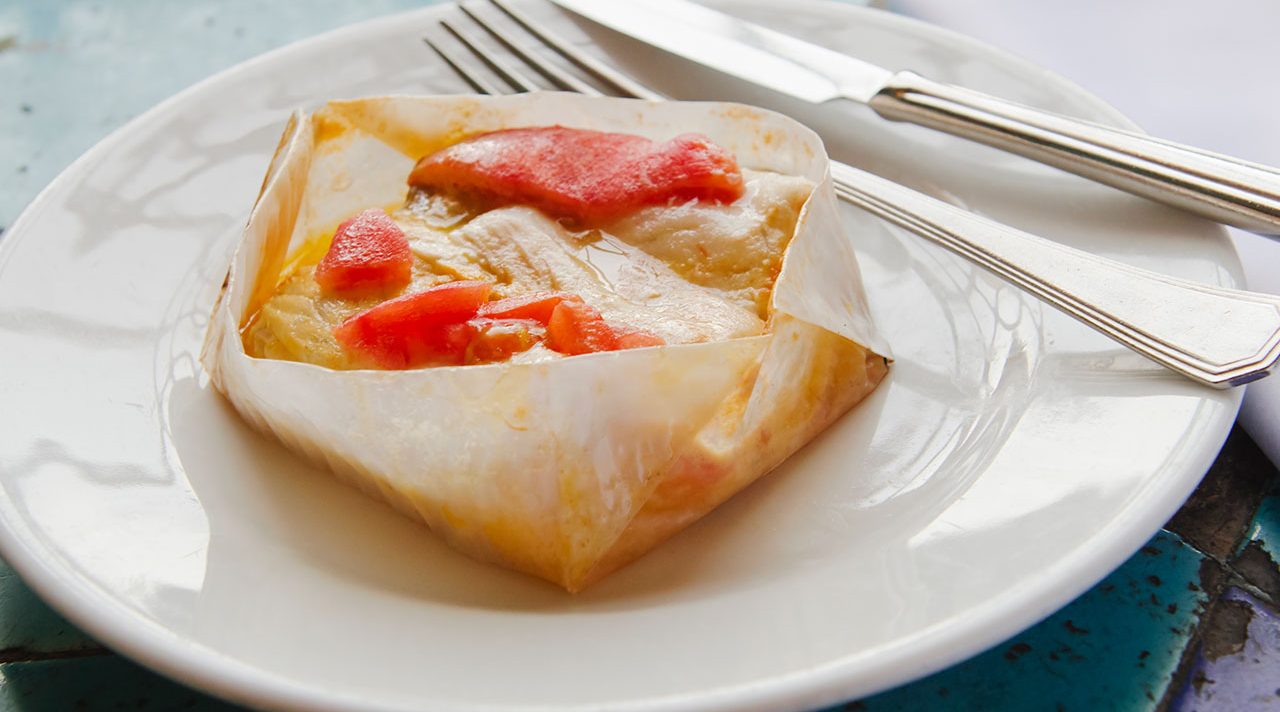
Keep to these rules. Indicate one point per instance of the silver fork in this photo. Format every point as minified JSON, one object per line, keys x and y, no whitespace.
{"x":1219,"y":337}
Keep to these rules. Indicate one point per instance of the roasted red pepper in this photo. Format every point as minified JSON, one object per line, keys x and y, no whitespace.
{"x":629,"y":338}
{"x":369,"y":254}
{"x":592,"y":176}
{"x":452,"y":324}
{"x":577,"y":328}
{"x":537,"y":306}
{"x":425,"y":328}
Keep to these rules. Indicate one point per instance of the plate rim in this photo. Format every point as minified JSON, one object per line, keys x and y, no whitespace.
{"x":162,"y":650}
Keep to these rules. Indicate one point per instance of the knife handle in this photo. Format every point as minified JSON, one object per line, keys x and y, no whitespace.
{"x":1217,"y":336}
{"x":1224,"y":189}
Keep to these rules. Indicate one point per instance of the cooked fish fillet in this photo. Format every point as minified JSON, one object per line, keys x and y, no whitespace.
{"x":687,"y":273}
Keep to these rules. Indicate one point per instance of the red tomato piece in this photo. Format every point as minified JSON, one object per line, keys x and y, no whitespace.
{"x":629,"y":338}
{"x":577,"y":328}
{"x":537,"y":306}
{"x":369,"y":254}
{"x":500,"y":339}
{"x":592,"y":176}
{"x":417,"y":329}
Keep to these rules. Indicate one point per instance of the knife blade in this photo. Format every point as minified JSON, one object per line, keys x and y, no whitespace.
{"x":1218,"y":187}
{"x":742,"y":49}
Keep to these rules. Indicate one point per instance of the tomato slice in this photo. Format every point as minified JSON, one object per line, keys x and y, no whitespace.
{"x":500,"y":339}
{"x":537,"y":306}
{"x":576,"y":328}
{"x":369,"y":254}
{"x":418,"y":329}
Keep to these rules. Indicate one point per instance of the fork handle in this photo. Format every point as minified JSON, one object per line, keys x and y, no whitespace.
{"x":1224,"y":189}
{"x":1219,"y":337}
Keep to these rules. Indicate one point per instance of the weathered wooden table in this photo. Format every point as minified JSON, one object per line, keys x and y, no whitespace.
{"x":1190,"y":622}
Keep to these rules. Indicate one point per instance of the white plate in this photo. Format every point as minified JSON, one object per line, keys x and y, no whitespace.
{"x":1011,"y":460}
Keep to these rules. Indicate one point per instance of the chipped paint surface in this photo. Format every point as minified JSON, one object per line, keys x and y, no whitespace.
{"x":1237,"y":665}
{"x":1116,"y":647}
{"x":1258,"y":557}
{"x":29,"y":628}
{"x":100,"y":682}
{"x":1265,"y":528}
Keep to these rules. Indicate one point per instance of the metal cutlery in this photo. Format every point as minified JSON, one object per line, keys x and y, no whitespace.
{"x":1224,"y":189}
{"x":1219,"y":337}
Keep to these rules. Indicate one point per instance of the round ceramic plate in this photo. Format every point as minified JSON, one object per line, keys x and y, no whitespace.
{"x":1010,"y":461}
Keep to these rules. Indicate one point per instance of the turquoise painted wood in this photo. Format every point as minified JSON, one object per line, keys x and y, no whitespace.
{"x":95,"y":683}
{"x":1238,"y":667}
{"x":30,"y":628}
{"x":1264,"y":529}
{"x":71,"y":71}
{"x":1117,"y":647}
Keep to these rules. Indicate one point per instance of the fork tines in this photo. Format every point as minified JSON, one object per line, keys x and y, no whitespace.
{"x":493,"y":62}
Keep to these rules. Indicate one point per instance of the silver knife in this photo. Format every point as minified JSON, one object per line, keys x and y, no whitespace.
{"x":1224,"y":189}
